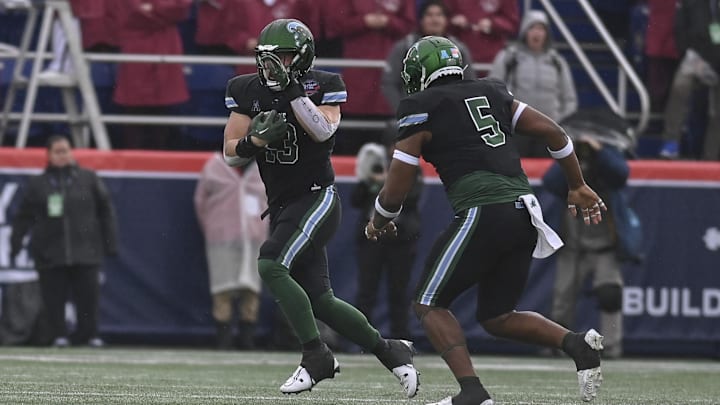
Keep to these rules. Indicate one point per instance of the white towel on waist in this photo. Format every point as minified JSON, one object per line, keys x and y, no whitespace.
{"x":548,"y":241}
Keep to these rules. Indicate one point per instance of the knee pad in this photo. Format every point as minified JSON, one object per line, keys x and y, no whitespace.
{"x":609,"y":297}
{"x":270,"y":270}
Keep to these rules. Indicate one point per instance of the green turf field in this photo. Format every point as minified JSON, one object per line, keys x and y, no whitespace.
{"x":152,"y":376}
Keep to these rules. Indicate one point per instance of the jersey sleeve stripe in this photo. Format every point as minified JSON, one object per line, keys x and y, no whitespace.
{"x":231,"y":103}
{"x":413,"y":119}
{"x":520,"y":108}
{"x":334,"y":97}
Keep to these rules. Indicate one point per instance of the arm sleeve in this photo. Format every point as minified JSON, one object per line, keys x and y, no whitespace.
{"x":106,"y":216}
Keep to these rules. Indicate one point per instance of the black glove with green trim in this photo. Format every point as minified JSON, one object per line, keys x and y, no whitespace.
{"x":270,"y":126}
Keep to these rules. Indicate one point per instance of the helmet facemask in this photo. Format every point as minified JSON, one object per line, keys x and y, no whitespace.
{"x":276,"y":68}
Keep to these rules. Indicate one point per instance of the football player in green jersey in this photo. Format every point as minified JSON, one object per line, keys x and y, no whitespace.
{"x":285,"y":118}
{"x":465,"y":129}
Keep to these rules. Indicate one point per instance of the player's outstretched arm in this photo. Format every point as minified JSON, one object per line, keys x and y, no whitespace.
{"x":580,"y":196}
{"x":398,"y":183}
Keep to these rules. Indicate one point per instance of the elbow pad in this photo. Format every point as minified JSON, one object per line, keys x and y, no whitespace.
{"x":312,"y":119}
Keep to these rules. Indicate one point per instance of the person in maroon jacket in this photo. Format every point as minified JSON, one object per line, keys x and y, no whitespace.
{"x":210,"y":33}
{"x":369,"y":29}
{"x":484,"y":25}
{"x":96,"y":24}
{"x":149,"y":26}
{"x":246,"y":19}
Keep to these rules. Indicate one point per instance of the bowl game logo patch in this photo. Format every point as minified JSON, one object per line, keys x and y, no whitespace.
{"x":311,"y":87}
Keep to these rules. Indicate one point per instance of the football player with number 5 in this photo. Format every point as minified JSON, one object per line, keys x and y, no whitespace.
{"x":465,"y":129}
{"x":285,"y":118}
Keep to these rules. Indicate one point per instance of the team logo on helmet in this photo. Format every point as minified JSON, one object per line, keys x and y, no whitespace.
{"x":292,"y":26}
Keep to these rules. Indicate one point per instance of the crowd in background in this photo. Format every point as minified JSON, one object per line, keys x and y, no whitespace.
{"x":488,"y":31}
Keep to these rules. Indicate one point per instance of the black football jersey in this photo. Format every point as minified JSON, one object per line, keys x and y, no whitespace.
{"x":295,"y":164}
{"x":471,"y":125}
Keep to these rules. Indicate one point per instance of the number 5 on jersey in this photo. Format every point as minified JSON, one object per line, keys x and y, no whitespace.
{"x":485,"y":124}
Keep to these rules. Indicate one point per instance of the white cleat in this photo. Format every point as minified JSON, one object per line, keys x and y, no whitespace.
{"x":409,"y":379}
{"x":448,"y":401}
{"x":398,"y":358}
{"x":589,"y":380}
{"x":301,"y":380}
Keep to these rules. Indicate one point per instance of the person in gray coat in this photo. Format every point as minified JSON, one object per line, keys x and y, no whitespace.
{"x":537,"y":74}
{"x":433,"y":20}
{"x":68,"y":211}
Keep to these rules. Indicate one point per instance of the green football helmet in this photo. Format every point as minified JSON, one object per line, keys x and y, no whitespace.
{"x":285,"y":36}
{"x":429,"y":59}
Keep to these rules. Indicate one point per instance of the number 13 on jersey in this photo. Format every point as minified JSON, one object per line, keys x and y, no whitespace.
{"x":485,"y":124}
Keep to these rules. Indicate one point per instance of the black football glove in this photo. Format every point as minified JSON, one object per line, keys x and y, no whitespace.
{"x":270,"y":126}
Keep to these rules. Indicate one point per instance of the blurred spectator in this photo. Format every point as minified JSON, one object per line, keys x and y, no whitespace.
{"x":150,"y":26}
{"x":228,"y":203}
{"x":211,"y":34}
{"x":96,"y":24}
{"x":316,"y":14}
{"x":433,"y":20}
{"x":596,"y":251}
{"x":484,"y":25}
{"x":697,"y":36}
{"x":246,"y":19}
{"x":537,"y":74}
{"x":369,"y":28}
{"x":72,"y":223}
{"x":96,"y":34}
{"x":392,"y":258}
{"x":662,"y":55}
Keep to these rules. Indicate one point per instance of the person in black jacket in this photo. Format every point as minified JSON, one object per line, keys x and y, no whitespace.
{"x":392,"y":258}
{"x":72,"y":224}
